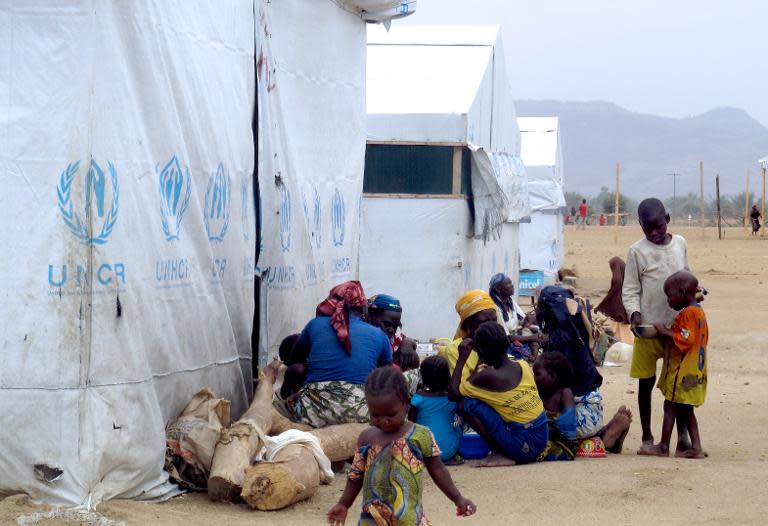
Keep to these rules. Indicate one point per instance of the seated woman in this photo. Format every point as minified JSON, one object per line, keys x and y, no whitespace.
{"x":385,"y":312}
{"x":560,"y":316}
{"x":511,"y":317}
{"x":474,"y":308}
{"x":339,"y":350}
{"x":500,"y":400}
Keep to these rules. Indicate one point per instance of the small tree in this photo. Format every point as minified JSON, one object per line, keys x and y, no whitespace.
{"x":606,"y":202}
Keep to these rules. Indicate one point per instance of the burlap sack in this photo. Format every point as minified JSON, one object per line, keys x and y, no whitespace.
{"x":191,"y":439}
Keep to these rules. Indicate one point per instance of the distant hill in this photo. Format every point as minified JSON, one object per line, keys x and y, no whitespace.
{"x":596,"y":135}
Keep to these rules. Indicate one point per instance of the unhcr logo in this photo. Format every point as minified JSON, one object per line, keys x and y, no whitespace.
{"x":216,"y":211}
{"x":314,"y":219}
{"x":337,"y":218}
{"x":175,"y":187}
{"x":285,"y":219}
{"x":95,"y":200}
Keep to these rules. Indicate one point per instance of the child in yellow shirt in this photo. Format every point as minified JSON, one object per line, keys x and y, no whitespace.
{"x":683,"y":379}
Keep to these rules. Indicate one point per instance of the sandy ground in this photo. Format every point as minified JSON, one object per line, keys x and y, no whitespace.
{"x":727,"y":488}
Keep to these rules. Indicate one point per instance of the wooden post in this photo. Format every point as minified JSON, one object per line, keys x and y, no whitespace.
{"x":616,"y":205}
{"x":701,"y":197}
{"x":717,"y":192}
{"x":746,"y":203}
{"x":456,"y":179}
{"x":762,"y":208}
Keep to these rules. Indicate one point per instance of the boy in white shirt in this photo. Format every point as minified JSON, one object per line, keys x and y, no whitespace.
{"x":650,"y":262}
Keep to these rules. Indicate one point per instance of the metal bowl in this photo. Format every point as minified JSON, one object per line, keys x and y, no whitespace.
{"x":645,"y":331}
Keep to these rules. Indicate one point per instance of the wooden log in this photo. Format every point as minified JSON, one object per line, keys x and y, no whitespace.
{"x":339,"y":442}
{"x":281,"y":424}
{"x":293,"y":475}
{"x":238,"y":444}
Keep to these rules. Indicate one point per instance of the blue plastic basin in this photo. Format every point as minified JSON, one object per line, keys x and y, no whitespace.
{"x":473,"y":446}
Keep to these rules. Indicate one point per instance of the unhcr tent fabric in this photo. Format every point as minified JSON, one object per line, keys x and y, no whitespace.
{"x":126,"y":162}
{"x":541,"y":240}
{"x":541,"y":152}
{"x":311,"y":92}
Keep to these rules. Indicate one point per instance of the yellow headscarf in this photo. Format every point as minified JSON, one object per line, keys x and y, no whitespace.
{"x":469,"y":304}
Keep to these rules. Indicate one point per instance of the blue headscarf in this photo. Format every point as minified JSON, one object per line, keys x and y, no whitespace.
{"x":496,"y":280}
{"x":384,"y":302}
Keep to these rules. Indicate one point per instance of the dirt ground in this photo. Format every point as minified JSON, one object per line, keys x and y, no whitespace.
{"x":727,"y":488}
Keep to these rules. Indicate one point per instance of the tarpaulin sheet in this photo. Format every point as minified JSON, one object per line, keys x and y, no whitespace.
{"x":427,"y":257}
{"x":499,"y":191}
{"x":311,"y":92}
{"x":545,"y":195}
{"x":541,"y":243}
{"x":126,"y":162}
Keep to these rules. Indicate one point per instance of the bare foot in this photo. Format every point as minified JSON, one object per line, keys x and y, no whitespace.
{"x":626,"y":411}
{"x":691,"y":453}
{"x":616,"y":430}
{"x":683,"y":444}
{"x":658,"y":450}
{"x":495,"y":460}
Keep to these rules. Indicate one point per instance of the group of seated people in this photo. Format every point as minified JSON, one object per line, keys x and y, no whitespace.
{"x":526,"y":383}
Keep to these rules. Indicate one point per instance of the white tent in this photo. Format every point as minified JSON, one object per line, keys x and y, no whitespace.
{"x":127,"y":157}
{"x":541,"y":240}
{"x":441,"y":92}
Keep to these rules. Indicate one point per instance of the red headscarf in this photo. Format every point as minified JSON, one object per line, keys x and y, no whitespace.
{"x":336,"y":305}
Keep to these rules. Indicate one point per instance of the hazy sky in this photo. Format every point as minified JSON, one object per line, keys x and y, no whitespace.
{"x":666,"y":57}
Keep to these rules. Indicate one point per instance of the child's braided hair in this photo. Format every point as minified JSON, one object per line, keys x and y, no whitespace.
{"x":435,"y":373}
{"x":387,"y":380}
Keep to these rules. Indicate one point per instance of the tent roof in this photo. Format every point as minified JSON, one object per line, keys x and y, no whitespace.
{"x":538,"y":140}
{"x":423,"y":69}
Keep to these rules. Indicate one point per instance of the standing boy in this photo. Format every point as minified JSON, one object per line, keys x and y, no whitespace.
{"x":650,"y":262}
{"x":583,"y":214}
{"x":684,"y":377}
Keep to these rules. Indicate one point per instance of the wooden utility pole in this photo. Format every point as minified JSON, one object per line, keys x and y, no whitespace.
{"x":701,"y":197}
{"x":717,"y":193}
{"x":746,"y":203}
{"x":616,"y":205}
{"x":762,"y":208}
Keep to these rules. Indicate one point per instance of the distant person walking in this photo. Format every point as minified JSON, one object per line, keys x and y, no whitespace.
{"x":582,"y":220}
{"x":603,"y":220}
{"x":754,"y":219}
